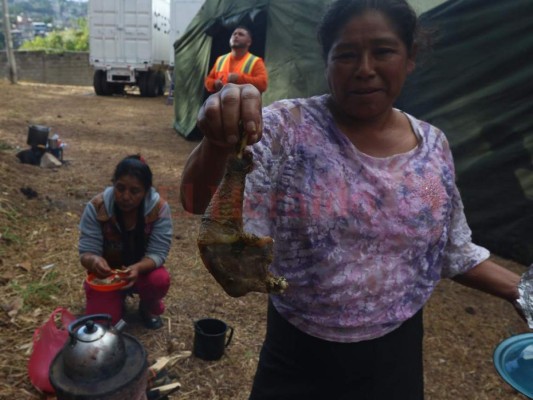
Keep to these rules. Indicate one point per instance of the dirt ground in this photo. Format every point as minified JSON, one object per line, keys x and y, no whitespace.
{"x":39,"y":268}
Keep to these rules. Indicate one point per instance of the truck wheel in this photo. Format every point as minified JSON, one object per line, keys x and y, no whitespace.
{"x":101,"y":86}
{"x":153,"y":87}
{"x":141,"y":83}
{"x":147,"y":84}
{"x":98,"y":77}
{"x":107,"y":88}
{"x":161,"y":83}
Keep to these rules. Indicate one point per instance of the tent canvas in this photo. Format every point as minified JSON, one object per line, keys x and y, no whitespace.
{"x":284,"y":34}
{"x":421,"y":6}
{"x":476,"y":86}
{"x":476,"y":81}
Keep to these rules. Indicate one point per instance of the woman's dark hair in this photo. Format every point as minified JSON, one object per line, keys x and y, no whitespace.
{"x":339,"y":12}
{"x":135,"y":166}
{"x":133,"y":243}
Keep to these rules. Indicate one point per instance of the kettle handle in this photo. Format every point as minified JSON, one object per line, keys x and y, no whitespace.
{"x":82,"y":320}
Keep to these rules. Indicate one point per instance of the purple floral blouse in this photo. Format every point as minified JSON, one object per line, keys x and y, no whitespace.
{"x":362,"y":241}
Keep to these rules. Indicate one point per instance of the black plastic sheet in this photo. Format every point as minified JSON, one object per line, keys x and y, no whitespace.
{"x":476,"y":84}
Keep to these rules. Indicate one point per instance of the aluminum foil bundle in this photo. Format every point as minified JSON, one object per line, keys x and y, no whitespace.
{"x":525,"y":292}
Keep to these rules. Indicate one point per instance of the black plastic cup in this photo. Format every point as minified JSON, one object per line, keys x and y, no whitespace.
{"x":211,"y":337}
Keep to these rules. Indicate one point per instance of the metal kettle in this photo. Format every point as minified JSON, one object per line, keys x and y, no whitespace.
{"x":94,"y":351}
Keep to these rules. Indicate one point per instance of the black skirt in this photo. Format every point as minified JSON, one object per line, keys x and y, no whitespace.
{"x":297,"y":366}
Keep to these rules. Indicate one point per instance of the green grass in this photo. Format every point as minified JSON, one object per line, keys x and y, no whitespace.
{"x":5,"y":146}
{"x":9,"y":237}
{"x":8,"y":211}
{"x":8,"y":216}
{"x":37,"y":294}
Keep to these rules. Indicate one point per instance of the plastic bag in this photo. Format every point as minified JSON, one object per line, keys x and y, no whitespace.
{"x":48,"y":340}
{"x":525,"y":291}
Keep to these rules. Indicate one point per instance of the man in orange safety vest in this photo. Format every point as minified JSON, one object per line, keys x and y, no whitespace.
{"x":239,"y":66}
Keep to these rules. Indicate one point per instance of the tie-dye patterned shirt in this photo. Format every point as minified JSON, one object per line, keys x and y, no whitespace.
{"x":362,"y":241}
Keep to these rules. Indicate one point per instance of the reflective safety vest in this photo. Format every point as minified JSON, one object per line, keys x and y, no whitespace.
{"x":245,"y":66}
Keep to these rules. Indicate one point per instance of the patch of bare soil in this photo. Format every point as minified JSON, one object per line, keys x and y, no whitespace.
{"x":462,"y":326}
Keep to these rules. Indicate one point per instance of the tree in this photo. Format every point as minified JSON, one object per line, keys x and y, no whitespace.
{"x":78,"y":39}
{"x":71,"y":39}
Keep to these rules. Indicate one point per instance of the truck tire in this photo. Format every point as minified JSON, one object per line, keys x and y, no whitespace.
{"x":161,"y":83}
{"x":107,"y":88}
{"x":100,"y":84}
{"x":148,"y":84}
{"x":141,"y":84}
{"x":99,"y":75}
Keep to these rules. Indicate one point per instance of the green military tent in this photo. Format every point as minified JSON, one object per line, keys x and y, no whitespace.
{"x":284,"y":34}
{"x":477,"y":85}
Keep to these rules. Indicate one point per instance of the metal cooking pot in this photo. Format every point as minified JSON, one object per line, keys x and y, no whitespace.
{"x":37,"y":135}
{"x":94,"y":351}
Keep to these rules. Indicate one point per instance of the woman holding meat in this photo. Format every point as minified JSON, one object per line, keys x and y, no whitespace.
{"x":128,"y":227}
{"x":362,"y":260}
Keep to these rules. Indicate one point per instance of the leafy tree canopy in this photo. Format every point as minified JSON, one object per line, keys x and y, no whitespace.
{"x":48,"y":10}
{"x":71,"y":39}
{"x":61,"y":12}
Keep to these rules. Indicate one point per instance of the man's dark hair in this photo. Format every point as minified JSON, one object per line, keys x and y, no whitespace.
{"x":244,"y":28}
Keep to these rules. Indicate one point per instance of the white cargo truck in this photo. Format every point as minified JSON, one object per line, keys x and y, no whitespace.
{"x":129,"y":41}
